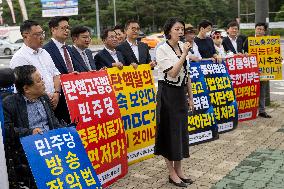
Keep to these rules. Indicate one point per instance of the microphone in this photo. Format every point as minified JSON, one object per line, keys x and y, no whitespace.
{"x":182,"y":39}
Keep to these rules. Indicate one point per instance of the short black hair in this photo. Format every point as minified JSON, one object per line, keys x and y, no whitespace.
{"x":261,"y":24}
{"x":23,"y":76}
{"x":27,"y":25}
{"x":233,"y":24}
{"x":77,"y":30}
{"x":204,"y":24}
{"x":54,"y":22}
{"x":7,"y":77}
{"x":128,"y":22}
{"x":169,"y":24}
{"x":104,"y":34}
{"x":119,"y":27}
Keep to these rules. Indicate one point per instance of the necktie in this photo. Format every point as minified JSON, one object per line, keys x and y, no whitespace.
{"x":86,"y":60}
{"x":67,"y":60}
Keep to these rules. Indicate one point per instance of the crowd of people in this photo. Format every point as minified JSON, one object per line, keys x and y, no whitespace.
{"x":39,"y":105}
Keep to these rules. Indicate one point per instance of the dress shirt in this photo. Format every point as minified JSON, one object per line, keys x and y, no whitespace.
{"x":234,"y":43}
{"x":41,"y":60}
{"x":36,"y":115}
{"x":113,"y":54}
{"x":84,"y":56}
{"x":60,"y":48}
{"x":134,"y":47}
{"x":220,"y":51}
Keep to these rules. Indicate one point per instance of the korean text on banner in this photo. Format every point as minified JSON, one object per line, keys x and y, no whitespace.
{"x":268,"y":53}
{"x":91,"y":101}
{"x":3,"y":168}
{"x":51,"y":8}
{"x":202,"y":125}
{"x":136,"y":98}
{"x":58,"y":160}
{"x":221,"y":94}
{"x":244,"y":73}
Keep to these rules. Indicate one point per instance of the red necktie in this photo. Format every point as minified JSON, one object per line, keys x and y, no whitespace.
{"x":67,"y":60}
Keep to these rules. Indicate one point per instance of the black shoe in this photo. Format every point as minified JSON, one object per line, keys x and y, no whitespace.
{"x":264,"y":114}
{"x":188,"y":180}
{"x":180,"y":184}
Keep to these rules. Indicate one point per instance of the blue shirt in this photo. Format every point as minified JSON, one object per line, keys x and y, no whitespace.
{"x":36,"y":115}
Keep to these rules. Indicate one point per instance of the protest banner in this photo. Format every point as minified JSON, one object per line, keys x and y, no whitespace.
{"x":91,"y":101}
{"x":268,"y":53}
{"x":58,"y":160}
{"x":202,"y":125}
{"x":3,"y":168}
{"x":51,"y":8}
{"x":244,"y":73}
{"x":221,"y":94}
{"x":136,"y":98}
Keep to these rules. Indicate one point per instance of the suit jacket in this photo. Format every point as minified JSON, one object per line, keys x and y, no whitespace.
{"x":104,"y":59}
{"x":228,"y":46}
{"x":78,"y":62}
{"x":58,"y":60}
{"x":129,"y":56}
{"x":17,"y":125}
{"x":61,"y":111}
{"x":16,"y":115}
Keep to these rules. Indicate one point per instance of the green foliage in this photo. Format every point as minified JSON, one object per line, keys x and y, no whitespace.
{"x":151,"y":14}
{"x":280,"y":16}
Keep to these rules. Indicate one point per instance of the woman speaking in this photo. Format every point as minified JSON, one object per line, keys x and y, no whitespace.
{"x":172,"y":104}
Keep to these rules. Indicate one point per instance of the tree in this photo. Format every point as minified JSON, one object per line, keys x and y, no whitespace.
{"x":280,"y":16}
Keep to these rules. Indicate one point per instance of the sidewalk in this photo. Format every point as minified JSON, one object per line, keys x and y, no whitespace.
{"x":252,"y":156}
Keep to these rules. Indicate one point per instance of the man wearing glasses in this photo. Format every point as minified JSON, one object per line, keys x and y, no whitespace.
{"x":134,"y":52}
{"x":61,"y":56}
{"x":31,"y":53}
{"x":109,"y":57}
{"x":82,"y":56}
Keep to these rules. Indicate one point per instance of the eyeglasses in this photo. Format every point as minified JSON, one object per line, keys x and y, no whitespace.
{"x":135,"y":29}
{"x":64,"y":28}
{"x":39,"y":34}
{"x":85,"y":37}
{"x":216,"y":37}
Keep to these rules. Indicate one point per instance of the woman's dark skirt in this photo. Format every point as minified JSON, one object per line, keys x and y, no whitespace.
{"x":172,"y":141}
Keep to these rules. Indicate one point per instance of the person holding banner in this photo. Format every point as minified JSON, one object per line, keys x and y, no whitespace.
{"x":217,"y":39}
{"x":134,"y":52}
{"x":189,"y":35}
{"x":28,"y":112}
{"x":109,"y":57}
{"x":234,"y":43}
{"x":260,"y":30}
{"x":82,"y":56}
{"x":119,"y":30}
{"x":172,"y":104}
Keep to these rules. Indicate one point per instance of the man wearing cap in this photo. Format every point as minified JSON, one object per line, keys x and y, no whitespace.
{"x":190,"y":34}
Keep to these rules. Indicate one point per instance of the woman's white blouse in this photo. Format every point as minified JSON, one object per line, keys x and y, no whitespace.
{"x":166,"y":58}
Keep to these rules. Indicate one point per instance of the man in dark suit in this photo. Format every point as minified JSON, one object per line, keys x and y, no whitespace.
{"x":133,"y":51}
{"x":233,"y":42}
{"x":109,"y":57}
{"x":82,"y":56}
{"x":26,"y":113}
{"x":61,"y":56}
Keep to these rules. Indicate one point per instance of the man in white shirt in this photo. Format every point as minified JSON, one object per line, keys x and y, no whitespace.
{"x":31,"y":53}
{"x":109,"y":57}
{"x":190,"y":34}
{"x":133,"y":51}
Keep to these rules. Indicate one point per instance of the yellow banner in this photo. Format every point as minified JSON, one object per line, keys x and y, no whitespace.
{"x":136,"y":98}
{"x":267,"y":50}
